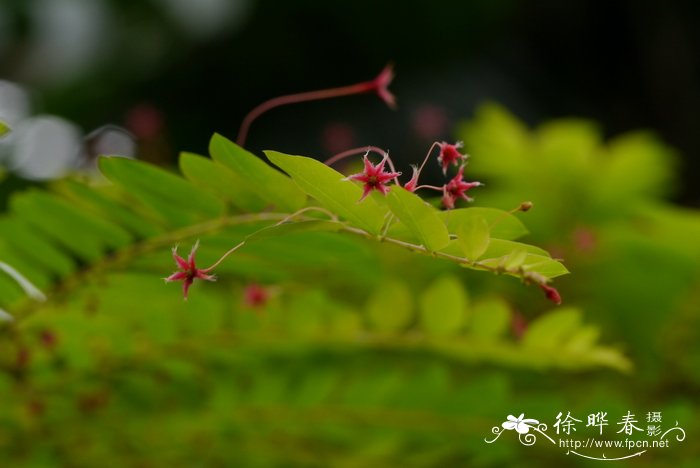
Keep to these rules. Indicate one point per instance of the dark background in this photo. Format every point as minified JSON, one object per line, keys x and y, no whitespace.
{"x":625,"y":64}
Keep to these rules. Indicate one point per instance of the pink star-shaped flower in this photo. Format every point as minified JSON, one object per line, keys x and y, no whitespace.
{"x":456,"y":189}
{"x":449,"y":154}
{"x":381,"y":83}
{"x":188,"y":270}
{"x":374,"y":177}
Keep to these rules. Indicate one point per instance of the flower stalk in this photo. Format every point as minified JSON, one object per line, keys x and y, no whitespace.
{"x":379,"y":85}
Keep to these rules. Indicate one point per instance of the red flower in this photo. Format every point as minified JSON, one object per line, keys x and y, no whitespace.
{"x":456,"y":189}
{"x":449,"y":154}
{"x":413,"y":183}
{"x":381,"y":83}
{"x":188,"y":271}
{"x":374,"y":177}
{"x":551,"y":293}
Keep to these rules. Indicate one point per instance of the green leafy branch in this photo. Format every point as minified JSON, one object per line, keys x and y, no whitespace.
{"x":147,"y":207}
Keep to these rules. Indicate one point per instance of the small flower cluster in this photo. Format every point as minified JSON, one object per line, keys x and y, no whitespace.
{"x":375,"y":177}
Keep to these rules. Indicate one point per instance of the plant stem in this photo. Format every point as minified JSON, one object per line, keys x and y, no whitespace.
{"x":284,"y":220}
{"x":351,"y":152}
{"x":359,"y":88}
{"x":432,"y":187}
{"x":427,"y":156}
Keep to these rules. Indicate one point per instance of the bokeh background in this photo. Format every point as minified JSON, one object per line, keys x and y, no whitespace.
{"x":626,"y":65}
{"x":148,"y":79}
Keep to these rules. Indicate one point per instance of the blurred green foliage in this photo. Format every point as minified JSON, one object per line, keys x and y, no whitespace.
{"x":363,"y":353}
{"x":600,"y":207}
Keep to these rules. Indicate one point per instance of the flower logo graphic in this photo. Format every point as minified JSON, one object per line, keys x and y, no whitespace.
{"x":521,"y":425}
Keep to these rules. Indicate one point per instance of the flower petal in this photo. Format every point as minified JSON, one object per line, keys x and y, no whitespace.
{"x":383,"y":189}
{"x":179,"y":261}
{"x":365,"y":191}
{"x":193,"y":252}
{"x":186,"y":286}
{"x":177,"y":276}
{"x":201,"y":275}
{"x":361,"y":177}
{"x":379,"y":168}
{"x":369,"y":168}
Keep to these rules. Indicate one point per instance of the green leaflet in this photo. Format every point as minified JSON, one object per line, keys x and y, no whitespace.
{"x":420,"y":218}
{"x":501,"y":247}
{"x":100,"y":204}
{"x":32,"y":272}
{"x":10,"y":291}
{"x":540,"y":264}
{"x":86,"y":236}
{"x":473,"y":236}
{"x":544,"y":266}
{"x":515,"y":260}
{"x":328,"y":187}
{"x":502,"y":225}
{"x":268,"y":183}
{"x":155,"y":184}
{"x":4,"y":129}
{"x":490,"y":319}
{"x":109,"y":234}
{"x":552,"y":329}
{"x":443,"y":307}
{"x":217,"y":178}
{"x":35,"y":247}
{"x":390,"y":308}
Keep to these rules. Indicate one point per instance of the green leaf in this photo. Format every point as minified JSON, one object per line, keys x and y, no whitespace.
{"x":502,"y":224}
{"x":443,"y":307}
{"x":501,"y":247}
{"x":110,"y":235}
{"x":545,"y":266}
{"x":140,"y":178}
{"x":10,"y":291}
{"x":35,"y":247}
{"x":552,"y":329}
{"x":540,"y":264}
{"x":268,"y":183}
{"x":295,"y":227}
{"x":473,"y":237}
{"x":38,"y":277}
{"x":514,"y":260}
{"x":328,"y":187}
{"x":583,"y":339}
{"x":420,"y":218}
{"x":490,"y":318}
{"x":100,"y":204}
{"x":87,"y":236}
{"x":223,"y":182}
{"x":4,"y":129}
{"x":390,"y":308}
